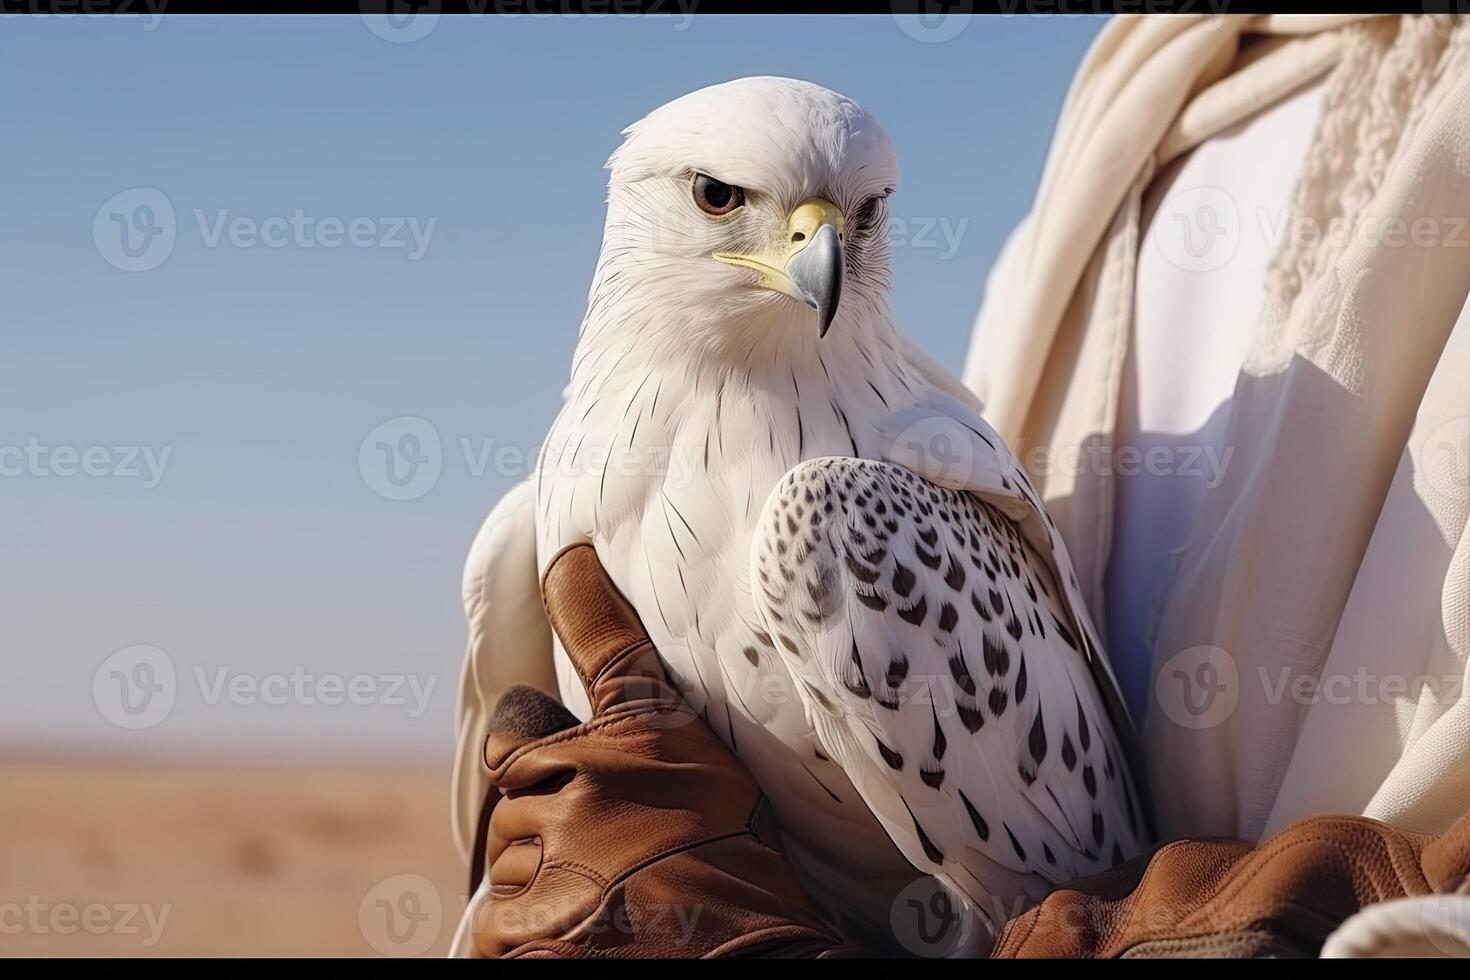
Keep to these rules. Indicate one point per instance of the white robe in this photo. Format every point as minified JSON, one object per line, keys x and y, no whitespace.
{"x":1321,"y":608}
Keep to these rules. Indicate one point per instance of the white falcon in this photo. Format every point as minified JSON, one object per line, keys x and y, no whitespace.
{"x":840,"y":561}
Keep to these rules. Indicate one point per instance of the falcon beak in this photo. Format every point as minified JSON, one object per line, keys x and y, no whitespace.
{"x":810,"y":264}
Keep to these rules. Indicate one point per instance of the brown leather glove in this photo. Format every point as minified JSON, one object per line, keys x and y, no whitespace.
{"x":1231,"y":898}
{"x":636,"y":834}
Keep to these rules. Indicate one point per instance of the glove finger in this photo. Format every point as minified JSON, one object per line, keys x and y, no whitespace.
{"x":516,"y":865}
{"x":515,"y":844}
{"x":522,"y":715}
{"x":515,"y":838}
{"x":601,"y":632}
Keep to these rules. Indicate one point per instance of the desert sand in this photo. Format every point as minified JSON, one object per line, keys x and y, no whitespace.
{"x":225,"y":860}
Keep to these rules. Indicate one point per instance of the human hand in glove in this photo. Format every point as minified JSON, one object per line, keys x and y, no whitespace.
{"x":1230,"y":898}
{"x":636,"y":833}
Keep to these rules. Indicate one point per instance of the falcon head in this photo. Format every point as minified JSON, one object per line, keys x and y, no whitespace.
{"x":754,"y":207}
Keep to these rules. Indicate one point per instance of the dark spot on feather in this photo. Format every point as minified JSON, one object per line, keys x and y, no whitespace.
{"x":997,"y":701}
{"x":1020,"y":851}
{"x":894,"y":760}
{"x":1021,"y":684}
{"x":961,"y":674}
{"x":948,"y":617}
{"x":872,"y":601}
{"x":859,"y":571}
{"x":954,"y":577}
{"x":1036,"y":741}
{"x":1097,"y":828}
{"x":752,"y":656}
{"x":898,"y":669}
{"x":1089,"y":780}
{"x":981,"y":827}
{"x":930,"y":851}
{"x":915,"y":614}
{"x":903,"y":579}
{"x":1069,"y":754}
{"x":993,"y":651}
{"x":859,"y":686}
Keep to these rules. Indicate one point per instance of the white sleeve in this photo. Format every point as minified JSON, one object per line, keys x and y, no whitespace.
{"x":509,"y":641}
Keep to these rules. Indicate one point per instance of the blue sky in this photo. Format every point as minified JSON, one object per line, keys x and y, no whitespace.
{"x":180,"y":446}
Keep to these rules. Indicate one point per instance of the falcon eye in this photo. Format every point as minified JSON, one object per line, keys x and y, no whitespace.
{"x":716,"y":197}
{"x":867,"y":214}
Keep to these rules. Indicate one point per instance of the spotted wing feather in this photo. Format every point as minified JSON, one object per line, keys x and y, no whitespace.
{"x":944,"y":670}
